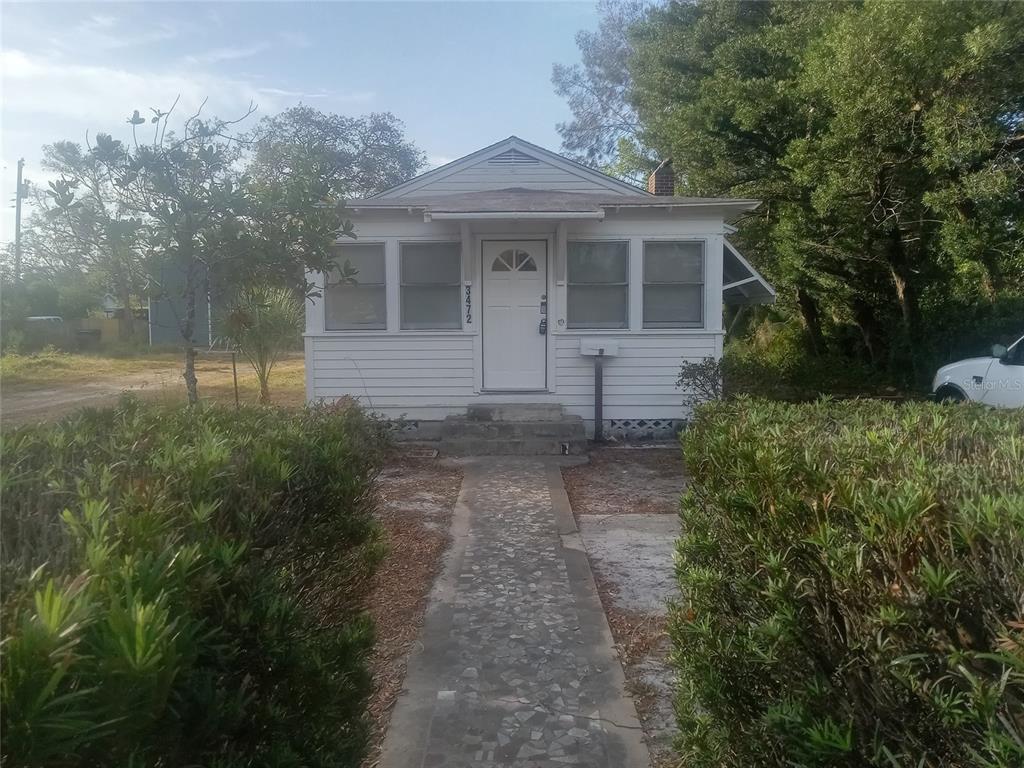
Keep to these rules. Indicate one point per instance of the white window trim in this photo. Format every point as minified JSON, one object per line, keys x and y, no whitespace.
{"x":429,"y":241}
{"x":703,"y":283}
{"x":387,"y":299}
{"x":568,"y":283}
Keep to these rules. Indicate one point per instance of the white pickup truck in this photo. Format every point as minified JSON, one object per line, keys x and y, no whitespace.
{"x":997,"y":380}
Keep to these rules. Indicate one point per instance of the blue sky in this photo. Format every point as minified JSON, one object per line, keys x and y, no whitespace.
{"x":460,"y":75}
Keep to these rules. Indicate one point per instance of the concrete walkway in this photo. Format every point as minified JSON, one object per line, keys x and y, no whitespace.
{"x":515,"y":666}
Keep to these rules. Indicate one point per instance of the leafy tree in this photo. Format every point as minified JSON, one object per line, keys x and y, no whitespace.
{"x":264,"y":321}
{"x":80,"y":227}
{"x":200,"y":218}
{"x":885,"y":139}
{"x":604,"y":131}
{"x":41,"y":288}
{"x":351,"y":156}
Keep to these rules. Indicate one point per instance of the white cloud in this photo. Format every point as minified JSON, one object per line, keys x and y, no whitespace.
{"x":104,"y":96}
{"x":436,"y":161}
{"x":46,"y":98}
{"x":227,"y":54}
{"x":101,"y":32}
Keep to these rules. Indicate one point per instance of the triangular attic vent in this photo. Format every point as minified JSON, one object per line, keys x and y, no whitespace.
{"x":513,"y":157}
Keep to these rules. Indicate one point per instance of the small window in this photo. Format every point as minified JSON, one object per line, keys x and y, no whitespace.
{"x":513,"y":261}
{"x":431,"y":281}
{"x":598,"y":285}
{"x":673,"y":285}
{"x":354,"y":297}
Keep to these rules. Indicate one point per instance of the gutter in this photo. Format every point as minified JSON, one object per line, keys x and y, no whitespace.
{"x":506,"y":215}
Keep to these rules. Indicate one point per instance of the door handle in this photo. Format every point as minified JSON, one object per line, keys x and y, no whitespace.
{"x":543,"y":329}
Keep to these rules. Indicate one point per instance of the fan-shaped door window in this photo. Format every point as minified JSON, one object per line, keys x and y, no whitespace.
{"x":514,"y":260}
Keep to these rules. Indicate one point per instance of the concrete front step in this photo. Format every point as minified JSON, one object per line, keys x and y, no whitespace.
{"x":467,"y":436}
{"x":515,"y":412}
{"x":457,"y":428}
{"x":533,"y":446}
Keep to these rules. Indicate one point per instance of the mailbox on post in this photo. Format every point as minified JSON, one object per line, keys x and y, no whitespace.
{"x":599,"y":349}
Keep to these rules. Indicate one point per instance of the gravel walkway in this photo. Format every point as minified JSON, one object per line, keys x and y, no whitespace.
{"x":516,"y":666}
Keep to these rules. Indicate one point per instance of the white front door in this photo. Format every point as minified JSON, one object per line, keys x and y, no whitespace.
{"x":514,"y":296}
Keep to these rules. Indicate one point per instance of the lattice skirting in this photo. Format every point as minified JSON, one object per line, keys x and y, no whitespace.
{"x":643,"y":429}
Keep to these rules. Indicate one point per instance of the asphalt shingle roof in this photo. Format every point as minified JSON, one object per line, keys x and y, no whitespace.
{"x":536,"y":200}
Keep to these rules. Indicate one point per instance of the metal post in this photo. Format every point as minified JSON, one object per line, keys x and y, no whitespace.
{"x":234,"y":373}
{"x":599,"y":396}
{"x":20,"y":193}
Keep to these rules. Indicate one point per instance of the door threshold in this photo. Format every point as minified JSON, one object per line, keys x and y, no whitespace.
{"x":516,"y":392}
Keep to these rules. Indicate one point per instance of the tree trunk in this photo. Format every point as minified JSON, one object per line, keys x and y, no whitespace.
{"x":812,"y":320}
{"x":864,"y":317}
{"x":906,"y":295}
{"x":127,"y":327}
{"x":264,"y":389}
{"x":187,"y":331}
{"x":737,"y":318}
{"x":190,"y":374}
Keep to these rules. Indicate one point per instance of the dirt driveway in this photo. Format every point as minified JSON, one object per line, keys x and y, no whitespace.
{"x":25,"y":404}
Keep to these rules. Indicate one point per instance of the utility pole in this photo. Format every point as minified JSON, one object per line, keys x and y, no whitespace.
{"x":17,"y":221}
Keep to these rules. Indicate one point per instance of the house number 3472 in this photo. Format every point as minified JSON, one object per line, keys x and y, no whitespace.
{"x":469,"y":305}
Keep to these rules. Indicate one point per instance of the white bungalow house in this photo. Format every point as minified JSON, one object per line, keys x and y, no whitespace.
{"x":498,"y":278}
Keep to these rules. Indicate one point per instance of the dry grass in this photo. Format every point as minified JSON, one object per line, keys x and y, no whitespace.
{"x":45,"y":391}
{"x":216,"y":382}
{"x":44,"y":369}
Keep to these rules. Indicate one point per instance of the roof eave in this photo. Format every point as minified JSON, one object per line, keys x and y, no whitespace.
{"x":510,"y":215}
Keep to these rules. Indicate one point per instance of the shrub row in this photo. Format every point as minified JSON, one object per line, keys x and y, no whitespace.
{"x":184,"y":587}
{"x":852,"y":580}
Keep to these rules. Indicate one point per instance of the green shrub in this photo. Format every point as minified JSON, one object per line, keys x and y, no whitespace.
{"x":184,"y":587}
{"x":852,"y":578}
{"x":780,"y":367}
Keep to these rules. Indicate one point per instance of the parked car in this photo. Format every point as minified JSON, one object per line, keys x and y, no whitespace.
{"x":996,"y":380}
{"x":43,"y":330}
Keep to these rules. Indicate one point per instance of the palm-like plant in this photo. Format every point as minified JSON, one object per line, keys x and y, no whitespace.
{"x":263,"y":322}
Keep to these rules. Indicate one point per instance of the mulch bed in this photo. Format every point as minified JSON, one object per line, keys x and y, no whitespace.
{"x":620,"y":480}
{"x":417,"y":497}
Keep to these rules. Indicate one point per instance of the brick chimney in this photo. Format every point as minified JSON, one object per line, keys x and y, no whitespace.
{"x":663,"y":180}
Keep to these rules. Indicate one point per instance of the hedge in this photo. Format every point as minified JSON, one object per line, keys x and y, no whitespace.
{"x":184,"y":587}
{"x":852,"y":581}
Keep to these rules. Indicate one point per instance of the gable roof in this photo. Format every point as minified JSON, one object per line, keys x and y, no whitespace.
{"x":512,"y":152}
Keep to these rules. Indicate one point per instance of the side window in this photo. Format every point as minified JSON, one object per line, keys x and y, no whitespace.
{"x":673,"y":284}
{"x":597,"y":293}
{"x":354,"y":297}
{"x":1016,"y":356}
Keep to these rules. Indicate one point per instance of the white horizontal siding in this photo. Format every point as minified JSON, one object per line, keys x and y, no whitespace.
{"x":393,"y":374}
{"x":425,"y":376}
{"x":639,"y":381}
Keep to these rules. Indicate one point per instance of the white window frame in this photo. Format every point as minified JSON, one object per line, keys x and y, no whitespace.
{"x":327,"y":282}
{"x":702,"y":242}
{"x":459,"y":293}
{"x":569,"y":284}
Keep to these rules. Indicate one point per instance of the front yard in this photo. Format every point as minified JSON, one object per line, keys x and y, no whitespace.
{"x":49,"y":385}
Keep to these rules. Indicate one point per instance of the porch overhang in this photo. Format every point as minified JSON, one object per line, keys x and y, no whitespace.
{"x":741,"y":283}
{"x":511,"y":215}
